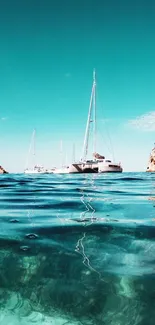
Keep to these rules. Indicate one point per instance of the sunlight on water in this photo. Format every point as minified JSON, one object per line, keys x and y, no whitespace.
{"x":77,"y":249}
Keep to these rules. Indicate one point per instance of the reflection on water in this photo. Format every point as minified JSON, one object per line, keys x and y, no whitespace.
{"x":77,"y":249}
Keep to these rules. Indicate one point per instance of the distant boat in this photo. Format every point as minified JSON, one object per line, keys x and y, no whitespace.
{"x":98,"y":164}
{"x":35,"y":168}
{"x":151,"y":163}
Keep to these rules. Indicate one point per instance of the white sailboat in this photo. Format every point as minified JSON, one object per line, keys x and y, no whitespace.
{"x":34,"y":169}
{"x":99,"y":164}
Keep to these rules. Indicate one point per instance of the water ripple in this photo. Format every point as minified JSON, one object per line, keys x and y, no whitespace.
{"x":77,"y":249}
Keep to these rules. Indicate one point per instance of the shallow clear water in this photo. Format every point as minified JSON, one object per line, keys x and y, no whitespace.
{"x":77,"y":249}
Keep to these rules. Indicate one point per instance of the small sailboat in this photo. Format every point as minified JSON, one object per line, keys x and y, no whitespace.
{"x":35,"y":168}
{"x":151,"y":163}
{"x":99,"y":164}
{"x":64,"y":168}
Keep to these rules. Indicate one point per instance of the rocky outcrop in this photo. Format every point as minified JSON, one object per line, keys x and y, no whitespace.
{"x":2,"y":170}
{"x":151,"y":164}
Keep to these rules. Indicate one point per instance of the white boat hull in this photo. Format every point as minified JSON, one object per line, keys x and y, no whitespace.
{"x":36,"y":170}
{"x":92,"y":167}
{"x":109,"y":168}
{"x":63,"y":170}
{"x":78,"y":168}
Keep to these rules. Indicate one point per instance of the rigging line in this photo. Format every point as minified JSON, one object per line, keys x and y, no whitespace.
{"x":29,"y":151}
{"x":34,"y":147}
{"x":87,"y":131}
{"x":112,"y":148}
{"x":109,"y":144}
{"x":105,"y":144}
{"x":61,"y":153}
{"x":94,"y":112}
{"x":106,"y":128}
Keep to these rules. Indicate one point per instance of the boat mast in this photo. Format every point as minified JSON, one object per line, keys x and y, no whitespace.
{"x":61,"y":154}
{"x":32,"y":143}
{"x":73,"y":154}
{"x":34,"y":148}
{"x":66,"y":159}
{"x":94,"y":106}
{"x":86,"y":138}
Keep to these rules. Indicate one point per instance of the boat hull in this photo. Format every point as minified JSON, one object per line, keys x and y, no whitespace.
{"x":29,"y":171}
{"x":35,"y":173}
{"x":110,"y":168}
{"x":111,"y":171}
{"x":78,"y":168}
{"x":61,"y":171}
{"x":89,"y":168}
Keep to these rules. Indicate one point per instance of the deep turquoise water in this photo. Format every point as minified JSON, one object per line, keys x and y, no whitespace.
{"x":77,"y":249}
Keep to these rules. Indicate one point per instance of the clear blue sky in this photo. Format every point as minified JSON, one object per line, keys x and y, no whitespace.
{"x":48,"y":50}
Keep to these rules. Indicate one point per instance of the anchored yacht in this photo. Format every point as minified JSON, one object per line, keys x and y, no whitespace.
{"x":35,"y":169}
{"x":99,"y":164}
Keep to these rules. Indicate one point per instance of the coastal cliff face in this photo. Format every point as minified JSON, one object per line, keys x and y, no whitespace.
{"x":2,"y":170}
{"x":151,"y":164}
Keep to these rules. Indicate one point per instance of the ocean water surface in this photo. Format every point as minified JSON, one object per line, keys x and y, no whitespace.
{"x":77,"y":249}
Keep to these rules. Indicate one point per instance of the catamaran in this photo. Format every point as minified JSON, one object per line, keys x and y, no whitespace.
{"x":35,"y":169}
{"x":99,"y":164}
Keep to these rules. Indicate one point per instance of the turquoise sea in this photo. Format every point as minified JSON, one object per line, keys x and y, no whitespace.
{"x":77,"y":249}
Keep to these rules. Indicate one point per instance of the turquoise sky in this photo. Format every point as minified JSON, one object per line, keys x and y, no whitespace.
{"x":48,"y":50}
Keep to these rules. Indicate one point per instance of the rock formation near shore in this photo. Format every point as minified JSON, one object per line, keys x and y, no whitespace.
{"x":2,"y":170}
{"x":151,"y":164}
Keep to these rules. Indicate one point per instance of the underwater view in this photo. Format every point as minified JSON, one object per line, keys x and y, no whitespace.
{"x":77,"y":249}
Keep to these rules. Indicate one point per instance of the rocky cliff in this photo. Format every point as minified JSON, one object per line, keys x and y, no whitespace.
{"x":2,"y":170}
{"x":151,"y":163}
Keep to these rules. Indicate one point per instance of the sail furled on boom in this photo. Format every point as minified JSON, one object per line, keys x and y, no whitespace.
{"x":98,"y":156}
